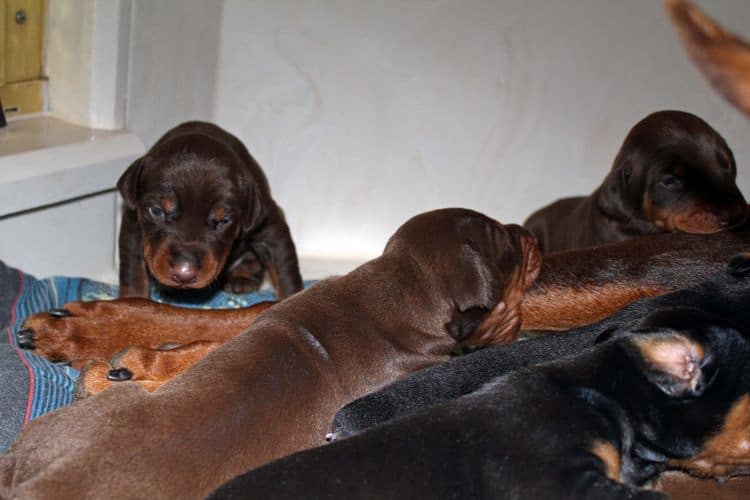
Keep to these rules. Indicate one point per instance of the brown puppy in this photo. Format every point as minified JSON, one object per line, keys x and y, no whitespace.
{"x":673,"y":173}
{"x":198,"y":209}
{"x":445,"y":276}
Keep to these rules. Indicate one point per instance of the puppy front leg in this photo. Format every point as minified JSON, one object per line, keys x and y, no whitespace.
{"x":80,"y":332}
{"x":133,"y":274}
{"x":275,"y":250}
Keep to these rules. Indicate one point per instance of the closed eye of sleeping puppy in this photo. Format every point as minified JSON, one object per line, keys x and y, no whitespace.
{"x":672,"y":393}
{"x":673,"y":173}
{"x":198,"y":211}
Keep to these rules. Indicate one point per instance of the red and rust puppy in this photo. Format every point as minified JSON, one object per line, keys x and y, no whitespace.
{"x":672,"y":393}
{"x":673,"y":173}
{"x":198,"y":210}
{"x":445,"y":277}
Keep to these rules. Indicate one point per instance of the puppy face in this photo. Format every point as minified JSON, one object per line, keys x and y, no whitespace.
{"x":678,"y":173}
{"x":700,"y":365}
{"x":481,"y":267}
{"x":192,"y":199}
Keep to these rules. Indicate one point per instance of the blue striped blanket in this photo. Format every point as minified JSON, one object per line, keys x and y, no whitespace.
{"x":50,"y":386}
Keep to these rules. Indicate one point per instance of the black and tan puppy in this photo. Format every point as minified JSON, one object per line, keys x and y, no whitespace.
{"x":198,"y":210}
{"x":673,"y":173}
{"x":672,"y":393}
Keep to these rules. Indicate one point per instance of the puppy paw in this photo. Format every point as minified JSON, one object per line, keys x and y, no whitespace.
{"x":125,"y":366}
{"x":244,"y":275}
{"x":80,"y":332}
{"x":67,"y":334}
{"x":92,"y":380}
{"x":240,"y":284}
{"x":150,"y":368}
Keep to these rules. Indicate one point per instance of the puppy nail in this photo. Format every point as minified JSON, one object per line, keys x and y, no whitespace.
{"x":26,"y":332}
{"x":119,"y":374}
{"x":58,"y":313}
{"x":25,"y":338}
{"x":330,"y":436}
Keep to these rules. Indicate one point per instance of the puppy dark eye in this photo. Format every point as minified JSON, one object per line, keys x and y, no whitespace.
{"x":223,"y":222}
{"x":723,"y":161}
{"x":156,"y":212}
{"x":670,"y":181}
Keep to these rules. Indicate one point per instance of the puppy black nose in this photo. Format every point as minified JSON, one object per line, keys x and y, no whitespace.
{"x":184,"y":271}
{"x":733,"y":216}
{"x":184,"y":265}
{"x":739,"y":265}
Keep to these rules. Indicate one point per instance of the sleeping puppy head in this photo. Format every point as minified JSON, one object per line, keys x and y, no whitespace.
{"x":480,"y":266}
{"x":677,"y":173}
{"x":699,"y":366}
{"x":193,"y":197}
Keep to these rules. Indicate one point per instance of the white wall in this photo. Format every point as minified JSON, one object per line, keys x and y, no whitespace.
{"x":365,"y":113}
{"x":86,"y":61}
{"x":174,"y":48}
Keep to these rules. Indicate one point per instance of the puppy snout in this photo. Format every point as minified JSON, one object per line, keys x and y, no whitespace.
{"x":733,"y":216}
{"x":730,"y":216}
{"x":185,"y":266}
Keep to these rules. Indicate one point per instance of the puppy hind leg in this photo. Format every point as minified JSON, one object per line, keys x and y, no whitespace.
{"x":154,"y":367}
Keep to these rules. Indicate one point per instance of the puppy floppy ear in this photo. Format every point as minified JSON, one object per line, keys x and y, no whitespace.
{"x":255,"y":208}
{"x":488,"y":289}
{"x":614,"y":200}
{"x":470,"y":288}
{"x":128,"y":183}
{"x":671,"y":361}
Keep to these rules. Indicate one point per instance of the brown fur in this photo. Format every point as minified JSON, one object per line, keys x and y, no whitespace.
{"x":579,"y":287}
